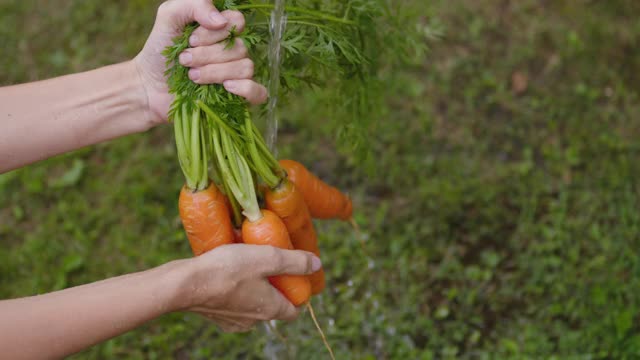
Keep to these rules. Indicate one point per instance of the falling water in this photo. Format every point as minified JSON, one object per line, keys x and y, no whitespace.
{"x":276,"y":29}
{"x":274,"y":348}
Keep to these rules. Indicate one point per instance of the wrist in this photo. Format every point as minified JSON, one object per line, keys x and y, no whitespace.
{"x":176,"y":285}
{"x":150,"y":118}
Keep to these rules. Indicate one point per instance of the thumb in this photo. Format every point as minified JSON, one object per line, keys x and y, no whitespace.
{"x":175,"y":14}
{"x":290,"y":262}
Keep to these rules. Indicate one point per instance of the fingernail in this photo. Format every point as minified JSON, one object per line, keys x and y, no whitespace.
{"x":316,"y":264}
{"x":194,"y":74}
{"x":229,"y":85}
{"x":193,"y":40}
{"x":185,"y":58}
{"x":217,"y":18}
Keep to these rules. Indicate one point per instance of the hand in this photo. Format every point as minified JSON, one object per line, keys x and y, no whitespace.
{"x":209,"y":61}
{"x":229,"y":285}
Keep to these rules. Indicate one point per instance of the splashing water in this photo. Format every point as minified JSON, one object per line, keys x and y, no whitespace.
{"x":276,"y":29}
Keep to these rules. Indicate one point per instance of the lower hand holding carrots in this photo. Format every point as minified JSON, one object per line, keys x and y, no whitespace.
{"x":229,"y":285}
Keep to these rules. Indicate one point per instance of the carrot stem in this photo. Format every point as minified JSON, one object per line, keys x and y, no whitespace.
{"x":186,"y":124}
{"x":237,"y":214}
{"x":180,"y":147}
{"x":204,"y":166}
{"x":236,"y":173}
{"x":267,"y":156}
{"x":213,"y":116}
{"x":324,"y":339}
{"x":225,"y":172}
{"x":261,"y":168}
{"x":195,"y":147}
{"x":191,"y":148}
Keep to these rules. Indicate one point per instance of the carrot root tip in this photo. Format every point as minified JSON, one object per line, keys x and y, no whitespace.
{"x":324,"y":339}
{"x":358,"y":232}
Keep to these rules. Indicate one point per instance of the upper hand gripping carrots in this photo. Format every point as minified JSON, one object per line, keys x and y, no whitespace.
{"x":324,"y":201}
{"x":269,"y":230}
{"x":205,"y":218}
{"x":287,"y":202}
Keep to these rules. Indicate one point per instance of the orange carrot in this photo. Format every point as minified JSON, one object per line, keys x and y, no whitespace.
{"x":307,"y":240}
{"x":324,"y":201}
{"x":287,"y":202}
{"x":270,"y":230}
{"x":205,"y":218}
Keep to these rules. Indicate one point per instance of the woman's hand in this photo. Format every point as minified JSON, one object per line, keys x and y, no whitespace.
{"x":209,"y":61}
{"x":229,"y":284}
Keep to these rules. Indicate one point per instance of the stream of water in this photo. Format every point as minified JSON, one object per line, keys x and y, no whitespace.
{"x":276,"y":28}
{"x":274,"y":348}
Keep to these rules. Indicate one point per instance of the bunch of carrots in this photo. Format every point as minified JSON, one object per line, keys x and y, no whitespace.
{"x":285,"y":221}
{"x":277,"y":212}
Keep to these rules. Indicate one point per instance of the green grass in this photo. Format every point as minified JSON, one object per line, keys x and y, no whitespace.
{"x":502,"y":223}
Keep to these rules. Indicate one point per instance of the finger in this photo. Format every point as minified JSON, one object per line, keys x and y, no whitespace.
{"x":230,"y":323}
{"x":213,"y":54}
{"x":288,"y":312}
{"x":217,"y":73}
{"x":280,"y":308}
{"x":252,"y":91}
{"x":233,"y":328}
{"x":178,"y":13}
{"x":237,"y":329}
{"x":291,"y":262}
{"x":203,"y":36}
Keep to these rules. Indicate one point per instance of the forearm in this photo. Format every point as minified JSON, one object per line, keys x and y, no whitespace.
{"x":46,"y":118}
{"x":64,"y":322}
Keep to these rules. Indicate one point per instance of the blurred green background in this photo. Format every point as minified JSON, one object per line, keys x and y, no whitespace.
{"x":503,"y":220}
